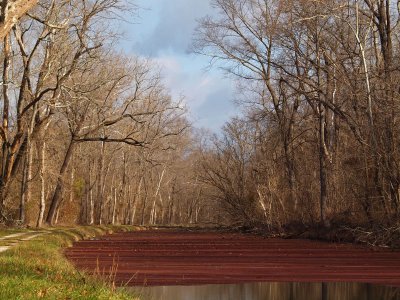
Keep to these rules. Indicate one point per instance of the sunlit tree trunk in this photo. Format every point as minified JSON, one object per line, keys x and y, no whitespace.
{"x":90,"y":196}
{"x":11,"y":11}
{"x":42,"y":205}
{"x":6,"y":105}
{"x":156,"y":195}
{"x":100,"y":184}
{"x":41,"y":149}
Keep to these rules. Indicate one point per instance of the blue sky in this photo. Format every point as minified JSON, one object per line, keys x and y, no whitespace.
{"x":163,"y":31}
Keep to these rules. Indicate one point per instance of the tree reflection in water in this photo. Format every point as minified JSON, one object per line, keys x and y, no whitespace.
{"x":272,"y":291}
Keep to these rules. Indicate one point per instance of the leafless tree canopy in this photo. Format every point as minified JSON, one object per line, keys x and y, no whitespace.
{"x":319,"y":85}
{"x":82,"y":126}
{"x":90,"y":135}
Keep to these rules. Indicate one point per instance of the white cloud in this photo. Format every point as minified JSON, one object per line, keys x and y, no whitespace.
{"x":172,"y":23}
{"x":164,"y":34}
{"x":203,"y":91}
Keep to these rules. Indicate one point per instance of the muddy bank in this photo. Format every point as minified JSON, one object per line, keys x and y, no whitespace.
{"x":189,"y":258}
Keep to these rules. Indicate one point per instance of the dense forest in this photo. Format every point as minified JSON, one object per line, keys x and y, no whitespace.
{"x":90,"y":135}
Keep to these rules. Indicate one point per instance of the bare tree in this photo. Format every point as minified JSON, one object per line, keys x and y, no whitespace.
{"x":51,"y":47}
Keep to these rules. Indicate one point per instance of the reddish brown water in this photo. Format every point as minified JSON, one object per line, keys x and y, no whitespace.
{"x":192,"y":258}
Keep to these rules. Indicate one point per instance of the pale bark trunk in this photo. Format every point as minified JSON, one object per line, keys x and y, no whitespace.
{"x":135,"y":201}
{"x":100,"y":185}
{"x":144,"y":205}
{"x":153,"y":210}
{"x":10,"y":13}
{"x":23,"y":191}
{"x":42,"y":205}
{"x":114,"y":207}
{"x":262,"y":204}
{"x":323,"y":151}
{"x":132,"y":220}
{"x":170,"y":209}
{"x":57,"y":215}
{"x":42,"y":172}
{"x":90,"y":198}
{"x":322,"y":169}
{"x":71,"y":184}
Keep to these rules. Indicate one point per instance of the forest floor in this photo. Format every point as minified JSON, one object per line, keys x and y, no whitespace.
{"x":170,"y":257}
{"x":33,"y":265}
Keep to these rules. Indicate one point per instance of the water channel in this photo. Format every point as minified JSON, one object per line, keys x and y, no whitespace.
{"x":164,"y":258}
{"x":271,"y":291}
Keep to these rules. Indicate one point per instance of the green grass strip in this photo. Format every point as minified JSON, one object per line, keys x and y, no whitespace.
{"x":37,"y":269}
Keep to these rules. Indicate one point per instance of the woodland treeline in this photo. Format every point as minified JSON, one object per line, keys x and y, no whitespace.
{"x":319,"y":140}
{"x":85,"y":131}
{"x":90,"y":135}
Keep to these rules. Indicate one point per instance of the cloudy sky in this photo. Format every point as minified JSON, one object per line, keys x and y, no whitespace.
{"x":163,"y":31}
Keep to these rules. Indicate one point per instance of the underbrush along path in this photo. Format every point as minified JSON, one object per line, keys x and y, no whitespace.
{"x":189,"y":258}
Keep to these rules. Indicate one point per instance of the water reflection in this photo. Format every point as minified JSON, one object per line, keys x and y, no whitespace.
{"x":272,"y":291}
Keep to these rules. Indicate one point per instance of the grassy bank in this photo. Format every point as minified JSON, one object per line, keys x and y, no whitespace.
{"x":4,"y":232}
{"x":37,"y":269}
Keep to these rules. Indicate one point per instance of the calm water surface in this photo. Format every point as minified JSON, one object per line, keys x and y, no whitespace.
{"x":272,"y":291}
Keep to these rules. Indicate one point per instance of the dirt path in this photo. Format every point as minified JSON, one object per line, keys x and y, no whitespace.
{"x":188,"y":258}
{"x":9,"y":241}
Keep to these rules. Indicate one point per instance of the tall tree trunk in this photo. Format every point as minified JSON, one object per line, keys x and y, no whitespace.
{"x":144,"y":204}
{"x":323,"y":168}
{"x":71,"y":184}
{"x":153,"y":210}
{"x":90,"y":219}
{"x":42,"y":158}
{"x":114,"y":207}
{"x":26,"y":182}
{"x":122,"y":193}
{"x":6,"y":107}
{"x":23,"y":192}
{"x":135,"y":203}
{"x":42,"y":205}
{"x":322,"y":151}
{"x":100,"y":184}
{"x":57,"y":196}
{"x":11,"y":11}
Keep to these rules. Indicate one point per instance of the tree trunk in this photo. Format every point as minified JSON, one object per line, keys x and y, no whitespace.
{"x":91,"y":201}
{"x":6,"y":105}
{"x":144,"y":205}
{"x":57,"y":196}
{"x":23,"y":191}
{"x":100,"y":185}
{"x":322,"y":171}
{"x":135,"y":201}
{"x":42,"y":205}
{"x":26,"y":183}
{"x":323,"y":152}
{"x":42,"y":158}
{"x":71,"y":184}
{"x":153,"y":210}
{"x":114,"y":210}
{"x":11,"y":12}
